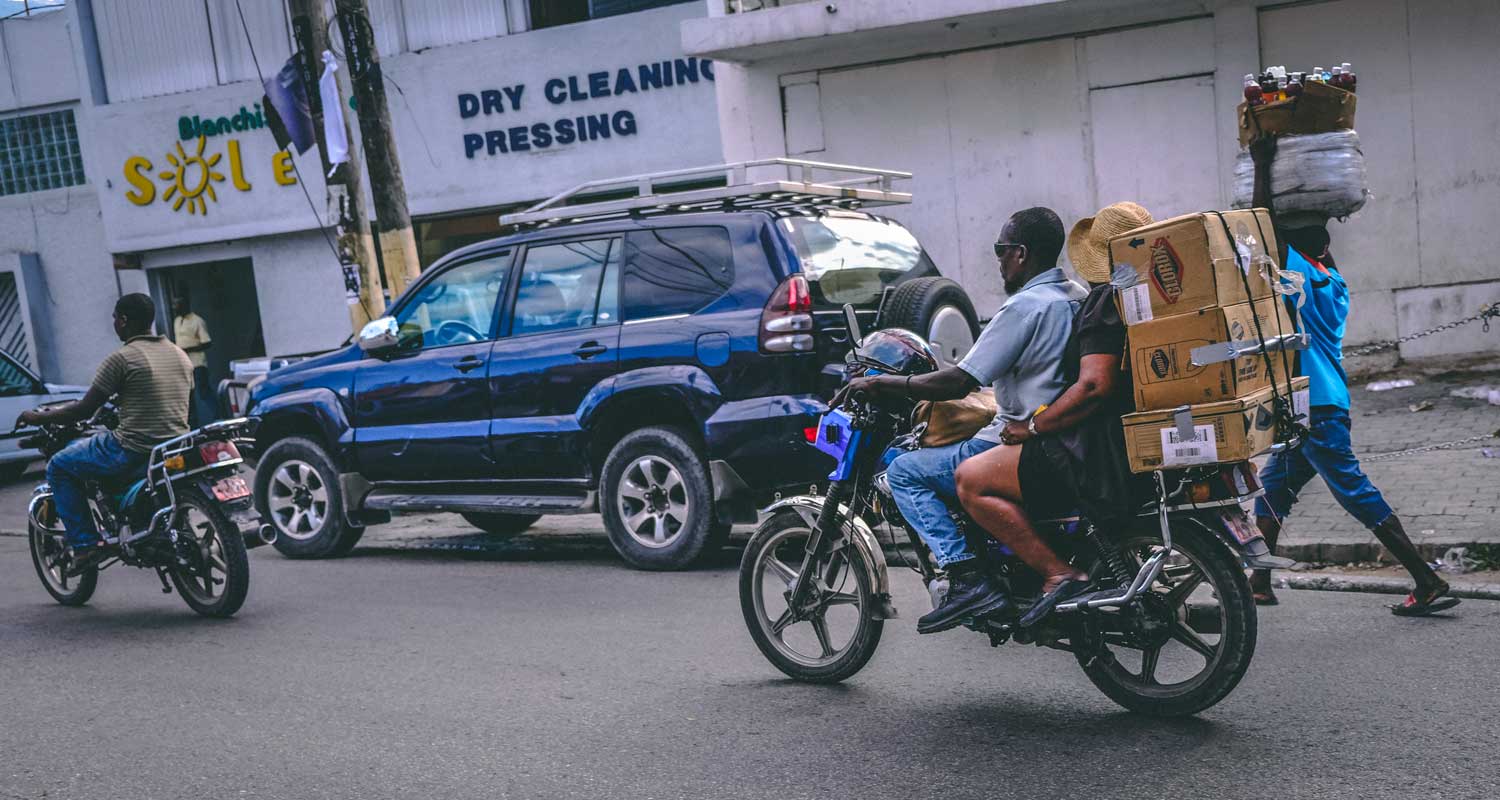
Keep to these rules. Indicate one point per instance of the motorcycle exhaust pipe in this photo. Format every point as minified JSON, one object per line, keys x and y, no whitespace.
{"x":266,"y":534}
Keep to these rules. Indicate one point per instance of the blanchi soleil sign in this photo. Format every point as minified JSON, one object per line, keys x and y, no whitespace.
{"x":565,"y":90}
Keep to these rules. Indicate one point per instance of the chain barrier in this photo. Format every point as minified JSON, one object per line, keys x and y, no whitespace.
{"x":1485,"y":315}
{"x":1426,"y":448}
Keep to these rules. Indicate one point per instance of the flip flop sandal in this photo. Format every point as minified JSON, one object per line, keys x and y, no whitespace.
{"x":1433,"y":603}
{"x":1067,"y":590}
{"x":1266,"y":598}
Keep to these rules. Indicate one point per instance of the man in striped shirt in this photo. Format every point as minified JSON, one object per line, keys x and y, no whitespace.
{"x":150,"y":379}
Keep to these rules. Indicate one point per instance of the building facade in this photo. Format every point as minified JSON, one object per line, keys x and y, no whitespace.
{"x":181,"y":190}
{"x":996,"y":105}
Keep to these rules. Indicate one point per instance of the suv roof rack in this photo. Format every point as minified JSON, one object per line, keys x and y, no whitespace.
{"x":845,"y":186}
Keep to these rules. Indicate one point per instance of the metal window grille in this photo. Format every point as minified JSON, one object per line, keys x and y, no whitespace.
{"x":39,"y":152}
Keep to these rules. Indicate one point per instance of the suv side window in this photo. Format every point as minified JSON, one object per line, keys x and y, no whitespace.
{"x":456,"y":307}
{"x":568,"y":285}
{"x":676,"y":270}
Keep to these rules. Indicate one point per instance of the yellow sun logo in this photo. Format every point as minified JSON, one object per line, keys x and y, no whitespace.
{"x":192,"y":178}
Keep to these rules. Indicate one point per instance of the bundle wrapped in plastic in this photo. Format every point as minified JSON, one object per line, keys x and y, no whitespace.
{"x":1318,"y":173}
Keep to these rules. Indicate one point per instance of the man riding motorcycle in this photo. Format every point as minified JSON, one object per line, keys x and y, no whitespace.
{"x":1072,"y":455}
{"x":151,"y":379}
{"x":1020,"y":352}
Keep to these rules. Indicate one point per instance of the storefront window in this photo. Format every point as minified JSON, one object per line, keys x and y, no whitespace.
{"x":548,"y":13}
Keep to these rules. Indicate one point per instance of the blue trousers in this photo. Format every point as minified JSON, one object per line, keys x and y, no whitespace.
{"x":922,"y":483}
{"x":1329,"y":453}
{"x":99,"y":458}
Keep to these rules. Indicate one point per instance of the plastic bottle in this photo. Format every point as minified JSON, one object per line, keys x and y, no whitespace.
{"x":1349,"y":79}
{"x":1316,"y":75}
{"x":1253,"y":94}
{"x":1294,"y":86}
{"x":1337,"y":78}
{"x":1281,"y":86}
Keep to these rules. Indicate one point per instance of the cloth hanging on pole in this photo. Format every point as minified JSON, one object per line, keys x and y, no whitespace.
{"x":333,"y":115}
{"x":287,"y":110}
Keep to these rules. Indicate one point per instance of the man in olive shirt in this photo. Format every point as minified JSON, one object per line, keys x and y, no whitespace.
{"x":150,"y":379}
{"x":191,"y":334}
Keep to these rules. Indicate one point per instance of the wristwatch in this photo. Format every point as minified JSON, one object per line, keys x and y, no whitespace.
{"x":1031,"y":425}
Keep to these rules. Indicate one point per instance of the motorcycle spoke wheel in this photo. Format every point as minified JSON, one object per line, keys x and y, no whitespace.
{"x":215,"y":577}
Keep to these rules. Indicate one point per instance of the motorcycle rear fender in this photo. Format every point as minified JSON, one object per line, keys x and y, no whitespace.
{"x":809,"y":507}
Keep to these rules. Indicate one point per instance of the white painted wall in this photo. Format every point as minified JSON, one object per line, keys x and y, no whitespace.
{"x":1147,"y":113}
{"x":36,"y":61}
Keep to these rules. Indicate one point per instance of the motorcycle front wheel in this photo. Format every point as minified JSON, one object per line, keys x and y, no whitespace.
{"x":49,"y":556}
{"x":216,"y":577}
{"x":838,"y":633}
{"x":1189,"y":639}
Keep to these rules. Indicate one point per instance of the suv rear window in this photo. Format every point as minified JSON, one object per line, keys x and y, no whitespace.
{"x":676,"y":270}
{"x":851,"y":258}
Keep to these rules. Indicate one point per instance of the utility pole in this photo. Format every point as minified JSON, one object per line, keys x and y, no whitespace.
{"x":398,"y":247}
{"x":346,"y":186}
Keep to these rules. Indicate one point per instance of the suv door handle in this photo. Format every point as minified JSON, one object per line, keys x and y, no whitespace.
{"x":588,"y":350}
{"x":468,"y":363}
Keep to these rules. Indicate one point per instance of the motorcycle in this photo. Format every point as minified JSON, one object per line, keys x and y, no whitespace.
{"x":1169,"y":625}
{"x":190,"y":518}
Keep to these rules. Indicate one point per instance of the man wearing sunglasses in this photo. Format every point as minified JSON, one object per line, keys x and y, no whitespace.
{"x":1020,"y":353}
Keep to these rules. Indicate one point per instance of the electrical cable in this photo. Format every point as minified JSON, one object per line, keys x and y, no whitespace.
{"x":322,"y":229}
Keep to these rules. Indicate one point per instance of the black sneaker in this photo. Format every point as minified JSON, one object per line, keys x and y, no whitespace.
{"x":970,"y":594}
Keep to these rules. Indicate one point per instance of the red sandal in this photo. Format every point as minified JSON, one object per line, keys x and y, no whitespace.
{"x":1432,"y":602}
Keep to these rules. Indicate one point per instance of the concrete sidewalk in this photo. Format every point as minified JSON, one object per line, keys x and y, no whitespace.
{"x":1446,"y":498}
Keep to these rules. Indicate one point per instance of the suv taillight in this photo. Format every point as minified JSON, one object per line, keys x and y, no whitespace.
{"x":786,"y":325}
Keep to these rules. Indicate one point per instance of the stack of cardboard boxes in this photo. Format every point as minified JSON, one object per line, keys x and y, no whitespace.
{"x":1203,"y":280}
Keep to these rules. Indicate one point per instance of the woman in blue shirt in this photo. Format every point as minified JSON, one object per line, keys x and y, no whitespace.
{"x":1327,"y":451}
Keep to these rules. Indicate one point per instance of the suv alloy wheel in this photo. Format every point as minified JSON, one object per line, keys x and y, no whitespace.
{"x":657,"y":501}
{"x":297,"y":491}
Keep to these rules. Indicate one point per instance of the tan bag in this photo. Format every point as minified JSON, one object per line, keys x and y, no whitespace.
{"x":950,"y":421}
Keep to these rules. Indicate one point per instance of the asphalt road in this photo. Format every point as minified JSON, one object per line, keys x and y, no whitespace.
{"x":402,"y":674}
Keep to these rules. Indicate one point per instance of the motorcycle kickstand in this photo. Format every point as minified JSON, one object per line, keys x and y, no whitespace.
{"x":161,"y":574}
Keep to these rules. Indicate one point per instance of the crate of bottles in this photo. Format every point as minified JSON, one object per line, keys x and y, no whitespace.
{"x":1278,"y":102}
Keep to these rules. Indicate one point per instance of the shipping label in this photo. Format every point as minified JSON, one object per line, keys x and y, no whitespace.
{"x":1202,"y":449}
{"x":1136,"y":300}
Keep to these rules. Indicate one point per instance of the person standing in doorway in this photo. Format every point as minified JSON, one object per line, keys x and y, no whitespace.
{"x":1327,"y":450}
{"x":192,"y":336}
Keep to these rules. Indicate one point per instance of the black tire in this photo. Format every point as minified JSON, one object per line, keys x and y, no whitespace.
{"x":227,"y":546}
{"x":500,"y":524}
{"x":786,"y":531}
{"x":918,"y":304}
{"x":1236,"y":619}
{"x":310,"y":468}
{"x":683,"y":542}
{"x":45,"y":546}
{"x":10,"y":473}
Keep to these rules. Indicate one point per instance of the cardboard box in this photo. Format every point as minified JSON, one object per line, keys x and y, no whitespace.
{"x":1161,"y":355}
{"x":1188,"y":263}
{"x":1320,"y":109}
{"x":1224,"y":432}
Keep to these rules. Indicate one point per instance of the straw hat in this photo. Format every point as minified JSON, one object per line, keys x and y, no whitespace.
{"x":1088,"y":243}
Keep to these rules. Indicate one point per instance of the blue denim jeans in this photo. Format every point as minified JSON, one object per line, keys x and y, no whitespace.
{"x":99,"y":458}
{"x":921,"y":480}
{"x":1327,"y":452}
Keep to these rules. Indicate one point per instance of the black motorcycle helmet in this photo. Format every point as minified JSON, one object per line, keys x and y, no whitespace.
{"x":895,"y":351}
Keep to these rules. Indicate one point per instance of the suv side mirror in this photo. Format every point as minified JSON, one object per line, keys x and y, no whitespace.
{"x":380,"y":337}
{"x":851,"y":321}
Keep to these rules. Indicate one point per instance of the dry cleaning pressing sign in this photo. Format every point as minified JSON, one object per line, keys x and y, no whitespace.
{"x":656,"y":76}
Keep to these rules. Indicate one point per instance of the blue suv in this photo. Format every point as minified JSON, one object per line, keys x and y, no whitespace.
{"x":663,"y":371}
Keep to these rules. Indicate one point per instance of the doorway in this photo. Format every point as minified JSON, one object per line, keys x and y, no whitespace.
{"x":1154,"y":143}
{"x":223,"y":294}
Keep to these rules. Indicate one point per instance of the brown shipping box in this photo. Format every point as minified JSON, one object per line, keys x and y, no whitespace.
{"x":1161,"y":355}
{"x":1320,"y":109}
{"x":1187,"y":263}
{"x":1224,"y":432}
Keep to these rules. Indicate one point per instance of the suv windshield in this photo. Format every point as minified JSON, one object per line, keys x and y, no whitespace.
{"x":850,"y":258}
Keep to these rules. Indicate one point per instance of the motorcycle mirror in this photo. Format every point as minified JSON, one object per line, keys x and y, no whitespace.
{"x":851,"y":321}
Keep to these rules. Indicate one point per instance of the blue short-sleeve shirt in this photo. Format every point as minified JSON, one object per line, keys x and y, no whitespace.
{"x":1323,"y":315}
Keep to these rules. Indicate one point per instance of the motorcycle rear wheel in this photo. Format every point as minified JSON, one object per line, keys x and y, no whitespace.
{"x":770,"y":565}
{"x":1201,"y":569}
{"x":47,"y":548}
{"x":216,"y":584}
